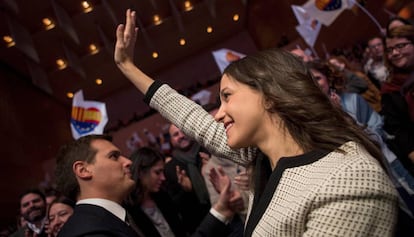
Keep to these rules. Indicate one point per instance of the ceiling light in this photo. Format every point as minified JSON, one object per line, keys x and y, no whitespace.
{"x":209,"y":29}
{"x":48,"y":23}
{"x":154,"y":54}
{"x":236,"y":17}
{"x":182,"y":41}
{"x":61,"y":63}
{"x":188,"y":6}
{"x":9,"y":41}
{"x":93,"y":49}
{"x":156,"y":19}
{"x":98,"y":81}
{"x":86,"y":6}
{"x":69,"y":95}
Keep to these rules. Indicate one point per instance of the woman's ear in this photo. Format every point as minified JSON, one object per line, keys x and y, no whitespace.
{"x":80,"y":168}
{"x":268,"y":105}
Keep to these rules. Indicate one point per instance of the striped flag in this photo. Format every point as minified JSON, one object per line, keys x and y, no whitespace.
{"x":88,"y":117}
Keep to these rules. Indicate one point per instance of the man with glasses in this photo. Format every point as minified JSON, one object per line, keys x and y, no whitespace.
{"x":375,"y":67}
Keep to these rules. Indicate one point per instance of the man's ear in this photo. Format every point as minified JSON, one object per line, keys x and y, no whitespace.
{"x":80,"y":168}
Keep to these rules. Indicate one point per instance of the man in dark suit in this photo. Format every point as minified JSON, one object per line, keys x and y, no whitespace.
{"x":92,"y":171}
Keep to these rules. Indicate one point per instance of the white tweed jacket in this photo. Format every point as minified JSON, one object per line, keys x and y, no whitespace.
{"x":320,"y":193}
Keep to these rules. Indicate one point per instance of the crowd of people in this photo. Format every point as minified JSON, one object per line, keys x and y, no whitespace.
{"x":297,"y":146}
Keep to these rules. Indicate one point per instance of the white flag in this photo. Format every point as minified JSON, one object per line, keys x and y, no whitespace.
{"x":308,"y":27}
{"x":350,"y":3}
{"x":88,"y":117}
{"x":325,"y":11}
{"x":224,"y":57}
{"x":309,"y":32}
{"x":301,"y":15}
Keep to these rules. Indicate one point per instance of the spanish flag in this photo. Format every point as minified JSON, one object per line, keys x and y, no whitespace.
{"x":88,"y":117}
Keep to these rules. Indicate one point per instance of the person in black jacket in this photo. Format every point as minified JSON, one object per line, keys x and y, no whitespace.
{"x":92,"y":171}
{"x":33,"y":210}
{"x":150,"y":207}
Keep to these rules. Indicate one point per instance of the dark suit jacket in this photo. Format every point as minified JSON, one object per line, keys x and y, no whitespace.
{"x":22,"y":231}
{"x":168,"y":210}
{"x":211,"y":227}
{"x":187,"y":203}
{"x":94,"y":221}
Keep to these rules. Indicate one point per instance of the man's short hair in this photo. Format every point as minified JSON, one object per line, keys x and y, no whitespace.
{"x":78,"y":150}
{"x":34,"y":191}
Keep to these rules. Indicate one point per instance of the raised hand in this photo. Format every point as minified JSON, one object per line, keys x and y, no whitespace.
{"x":126,"y":36}
{"x":222,"y":184}
{"x":236,"y":202}
{"x":218,"y":179}
{"x":183,"y":179}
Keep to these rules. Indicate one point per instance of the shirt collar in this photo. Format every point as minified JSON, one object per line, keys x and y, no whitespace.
{"x":110,"y":206}
{"x":34,"y":228}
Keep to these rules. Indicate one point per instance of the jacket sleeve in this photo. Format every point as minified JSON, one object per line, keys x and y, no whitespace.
{"x":211,"y":227}
{"x":194,"y":121}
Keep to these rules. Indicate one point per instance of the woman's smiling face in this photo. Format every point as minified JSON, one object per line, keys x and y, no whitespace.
{"x":242,"y":112}
{"x":400,"y":52}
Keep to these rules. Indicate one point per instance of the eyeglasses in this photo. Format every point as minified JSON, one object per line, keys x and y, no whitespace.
{"x":397,"y":47}
{"x":375,"y":46}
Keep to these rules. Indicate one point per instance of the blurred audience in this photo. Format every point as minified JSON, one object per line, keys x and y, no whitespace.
{"x":374,"y":66}
{"x":358,"y":80}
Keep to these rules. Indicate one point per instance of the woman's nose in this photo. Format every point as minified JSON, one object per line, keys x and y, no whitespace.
{"x":219,"y":116}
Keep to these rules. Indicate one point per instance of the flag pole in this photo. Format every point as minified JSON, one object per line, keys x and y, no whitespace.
{"x":325,"y":50}
{"x":314,"y":51}
{"x":368,"y":14}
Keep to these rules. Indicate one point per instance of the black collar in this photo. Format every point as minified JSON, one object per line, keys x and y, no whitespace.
{"x":266,"y":182}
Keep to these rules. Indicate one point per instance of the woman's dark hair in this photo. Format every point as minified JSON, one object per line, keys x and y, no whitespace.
{"x":143,"y":160}
{"x":290,"y":92}
{"x":335,"y":78}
